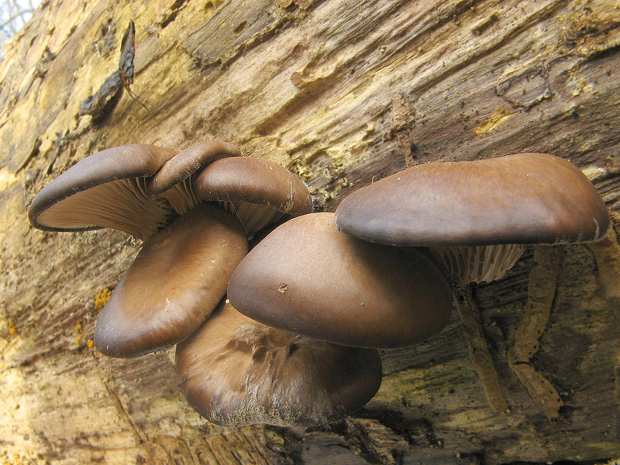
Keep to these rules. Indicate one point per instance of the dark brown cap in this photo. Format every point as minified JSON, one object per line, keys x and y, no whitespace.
{"x":189,"y":161}
{"x":175,"y":282}
{"x":256,"y":190}
{"x":308,"y":278}
{"x":175,"y":180}
{"x":235,"y":371}
{"x":528,"y":198}
{"x":105,"y":190}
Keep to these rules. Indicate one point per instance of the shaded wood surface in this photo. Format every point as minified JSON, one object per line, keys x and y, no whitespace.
{"x":342,"y":93}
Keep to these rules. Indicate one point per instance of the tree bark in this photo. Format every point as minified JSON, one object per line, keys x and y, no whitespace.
{"x":342,"y":93}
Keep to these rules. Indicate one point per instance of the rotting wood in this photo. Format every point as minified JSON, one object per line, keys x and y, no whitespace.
{"x":324,"y":88}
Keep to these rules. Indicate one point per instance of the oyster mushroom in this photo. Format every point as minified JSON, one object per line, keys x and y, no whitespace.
{"x":255,"y":190}
{"x":190,"y":248}
{"x":107,"y":189}
{"x":308,"y":278}
{"x":173,"y":285}
{"x":122,"y":188}
{"x":477,"y":217}
{"x":235,"y":371}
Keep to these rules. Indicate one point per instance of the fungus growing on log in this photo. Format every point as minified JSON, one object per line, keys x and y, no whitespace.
{"x":477,"y":217}
{"x":236,"y":371}
{"x":308,"y":278}
{"x":190,"y":249}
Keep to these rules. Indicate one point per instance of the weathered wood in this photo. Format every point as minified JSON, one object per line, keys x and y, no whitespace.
{"x":342,"y":93}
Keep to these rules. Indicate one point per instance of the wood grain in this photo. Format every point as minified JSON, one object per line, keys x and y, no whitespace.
{"x":342,"y":93}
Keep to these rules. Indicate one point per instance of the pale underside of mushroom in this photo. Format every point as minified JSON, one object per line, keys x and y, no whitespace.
{"x":252,"y":216}
{"x":478,"y":263}
{"x":106,"y":189}
{"x":123,"y":204}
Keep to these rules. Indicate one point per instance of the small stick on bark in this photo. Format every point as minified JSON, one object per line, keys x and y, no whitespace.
{"x":541,"y":294}
{"x":478,"y":348}
{"x":607,"y":255}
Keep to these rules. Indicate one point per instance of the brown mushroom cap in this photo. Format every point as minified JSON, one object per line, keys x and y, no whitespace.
{"x":105,"y":190}
{"x":188,"y":162}
{"x":174,"y":181}
{"x":175,"y":282}
{"x":526,"y":198}
{"x":235,"y":371}
{"x":256,"y":190}
{"x":308,"y":278}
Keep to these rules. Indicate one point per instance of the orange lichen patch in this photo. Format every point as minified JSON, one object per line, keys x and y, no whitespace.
{"x":78,"y":333}
{"x":11,"y":325}
{"x":496,"y":119}
{"x":13,"y":459}
{"x":90,"y":343}
{"x":102,"y":298}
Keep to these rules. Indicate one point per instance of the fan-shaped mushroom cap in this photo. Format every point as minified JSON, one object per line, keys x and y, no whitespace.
{"x":189,"y":161}
{"x":105,"y":190}
{"x":527,"y":198}
{"x":174,"y":181}
{"x":235,"y":371}
{"x":308,"y":278}
{"x":175,"y":282}
{"x":256,"y":190}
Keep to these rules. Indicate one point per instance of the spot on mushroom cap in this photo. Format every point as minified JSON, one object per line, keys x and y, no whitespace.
{"x":517,"y":199}
{"x":308,"y":278}
{"x":106,"y":189}
{"x":175,"y":282}
{"x":236,"y":371}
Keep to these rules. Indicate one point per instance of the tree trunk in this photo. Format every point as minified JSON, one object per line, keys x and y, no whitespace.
{"x":341,"y":93}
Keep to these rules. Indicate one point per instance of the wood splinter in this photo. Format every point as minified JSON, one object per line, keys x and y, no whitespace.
{"x":478,"y":348}
{"x":541,"y":294}
{"x":607,"y":255}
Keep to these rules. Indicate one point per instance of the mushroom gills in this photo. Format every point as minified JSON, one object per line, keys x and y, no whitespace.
{"x":467,"y":264}
{"x":122,"y":204}
{"x":182,"y":196}
{"x":253,"y":217}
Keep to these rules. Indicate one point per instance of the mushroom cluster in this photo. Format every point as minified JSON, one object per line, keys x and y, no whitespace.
{"x":381,"y":272}
{"x":196,"y":211}
{"x":287,"y":333}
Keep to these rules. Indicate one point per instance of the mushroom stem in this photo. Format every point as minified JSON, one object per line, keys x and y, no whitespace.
{"x":541,"y":295}
{"x":478,"y":348}
{"x":607,"y":255}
